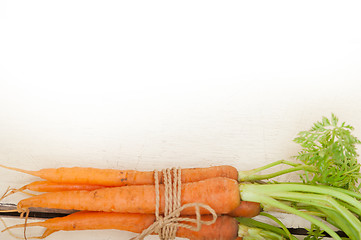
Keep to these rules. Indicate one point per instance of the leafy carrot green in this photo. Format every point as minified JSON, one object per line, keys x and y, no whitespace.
{"x":314,"y":233}
{"x":329,"y":190}
{"x":331,"y":148}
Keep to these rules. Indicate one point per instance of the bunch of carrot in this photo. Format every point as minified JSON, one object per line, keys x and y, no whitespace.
{"x":125,"y":199}
{"x":329,"y":193}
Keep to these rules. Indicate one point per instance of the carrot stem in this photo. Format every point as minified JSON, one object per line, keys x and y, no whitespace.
{"x":257,"y":224}
{"x":326,"y":198}
{"x":279,"y":162}
{"x":291,"y":210}
{"x":251,"y":175}
{"x":278,"y":222}
{"x":293,"y":187}
{"x":251,"y":233}
{"x":334,"y":217}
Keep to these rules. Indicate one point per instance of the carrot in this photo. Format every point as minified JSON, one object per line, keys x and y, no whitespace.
{"x":221,"y":194}
{"x":225,"y":227}
{"x":47,"y":186}
{"x":113,"y":177}
{"x":246,"y":209}
{"x":84,"y":220}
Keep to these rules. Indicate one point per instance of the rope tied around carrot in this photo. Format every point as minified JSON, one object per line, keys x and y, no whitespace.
{"x":166,"y":226}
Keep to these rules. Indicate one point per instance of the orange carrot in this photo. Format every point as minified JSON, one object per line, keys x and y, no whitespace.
{"x":225,"y":227}
{"x":246,"y":209}
{"x":221,"y":194}
{"x":113,"y":177}
{"x":47,"y":186}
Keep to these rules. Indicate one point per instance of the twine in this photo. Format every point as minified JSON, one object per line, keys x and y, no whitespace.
{"x":166,"y":226}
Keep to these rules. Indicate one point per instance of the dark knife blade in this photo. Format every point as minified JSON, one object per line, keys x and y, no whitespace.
{"x":33,"y":212}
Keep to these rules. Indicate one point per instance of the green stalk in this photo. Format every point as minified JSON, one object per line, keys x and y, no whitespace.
{"x":258,"y":197}
{"x":278,"y":222}
{"x":244,"y":176}
{"x":267,"y":195}
{"x":250,"y":233}
{"x":315,"y":214}
{"x":345,"y":191}
{"x":293,"y":187}
{"x":256,"y":170}
{"x":301,"y":198}
{"x":256,"y":224}
{"x":345,"y":213}
{"x":351,"y":208}
{"x":334,"y":218}
{"x":251,"y":178}
{"x":289,"y":193}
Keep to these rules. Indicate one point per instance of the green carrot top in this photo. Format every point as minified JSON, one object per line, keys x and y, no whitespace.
{"x":331,"y":149}
{"x":330,"y":176}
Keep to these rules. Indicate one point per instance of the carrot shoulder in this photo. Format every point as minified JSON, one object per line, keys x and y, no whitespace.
{"x":221,"y":194}
{"x":113,"y":177}
{"x":246,"y":209}
{"x":225,"y":228}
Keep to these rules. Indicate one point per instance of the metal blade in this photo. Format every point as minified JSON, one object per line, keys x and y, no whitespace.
{"x":34,"y":212}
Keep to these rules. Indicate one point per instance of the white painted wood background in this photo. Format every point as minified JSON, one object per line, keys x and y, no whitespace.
{"x":155,"y":84}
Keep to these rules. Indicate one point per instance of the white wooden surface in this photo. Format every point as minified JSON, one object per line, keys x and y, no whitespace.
{"x":156,"y":84}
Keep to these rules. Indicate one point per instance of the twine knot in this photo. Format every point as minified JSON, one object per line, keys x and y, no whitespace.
{"x":166,"y":226}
